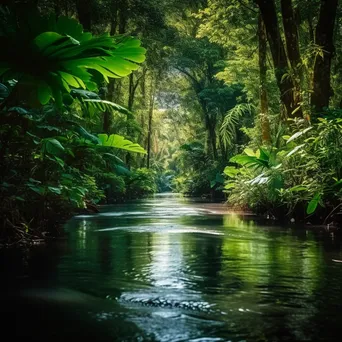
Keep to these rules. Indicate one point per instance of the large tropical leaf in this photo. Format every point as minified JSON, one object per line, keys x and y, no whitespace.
{"x":120,"y":142}
{"x":52,"y":56}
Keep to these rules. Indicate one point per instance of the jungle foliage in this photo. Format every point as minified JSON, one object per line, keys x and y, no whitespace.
{"x":54,"y":157}
{"x":233,"y":99}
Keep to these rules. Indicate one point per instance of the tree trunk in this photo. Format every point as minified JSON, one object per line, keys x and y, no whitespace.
{"x":107,"y":116}
{"x":123,"y":15}
{"x":57,"y":8}
{"x":131,"y":96}
{"x":114,"y":17}
{"x":211,"y":135}
{"x":324,"y":38}
{"x":84,"y":9}
{"x":265,"y":124}
{"x":150,"y":119}
{"x":292,"y":48}
{"x":284,"y":81}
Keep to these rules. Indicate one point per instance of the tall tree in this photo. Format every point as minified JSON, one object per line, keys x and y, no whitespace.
{"x":292,"y":49}
{"x":265,"y":124}
{"x":324,"y":39}
{"x":285,"y":82}
{"x":84,"y":10}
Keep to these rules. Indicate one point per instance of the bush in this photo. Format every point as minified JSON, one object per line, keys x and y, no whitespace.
{"x":140,"y":183}
{"x":300,"y":178}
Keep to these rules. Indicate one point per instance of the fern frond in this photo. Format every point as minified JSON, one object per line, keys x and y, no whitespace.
{"x":231,"y":121}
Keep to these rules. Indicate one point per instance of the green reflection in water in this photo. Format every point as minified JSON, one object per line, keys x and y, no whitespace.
{"x":263,"y":282}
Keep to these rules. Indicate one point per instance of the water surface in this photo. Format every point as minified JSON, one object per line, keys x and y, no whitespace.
{"x":171,"y":269}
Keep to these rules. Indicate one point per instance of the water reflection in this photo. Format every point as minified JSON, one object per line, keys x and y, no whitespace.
{"x":185,"y":271}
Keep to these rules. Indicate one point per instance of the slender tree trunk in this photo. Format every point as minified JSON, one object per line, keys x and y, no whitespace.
{"x":324,"y":38}
{"x":292,"y":48}
{"x":107,"y":116}
{"x":84,"y":9}
{"x":131,"y":96}
{"x":123,"y":15}
{"x":224,"y":152}
{"x":114,"y":17}
{"x":57,"y":7}
{"x":150,"y":119}
{"x":210,"y":126}
{"x":213,"y":140}
{"x":284,"y":81}
{"x":265,"y":124}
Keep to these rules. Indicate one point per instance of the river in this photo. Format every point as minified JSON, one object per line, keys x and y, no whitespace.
{"x":174,"y":269}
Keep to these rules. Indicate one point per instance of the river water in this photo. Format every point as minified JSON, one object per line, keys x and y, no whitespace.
{"x":173,"y":269}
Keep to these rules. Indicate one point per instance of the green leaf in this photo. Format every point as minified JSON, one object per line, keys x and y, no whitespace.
{"x":34,"y":181}
{"x":53,"y":146}
{"x":121,"y":170}
{"x":59,"y":161}
{"x":44,"y":93}
{"x":120,"y":142}
{"x":249,"y":152}
{"x":298,"y":134}
{"x":57,"y":53}
{"x":104,"y":105}
{"x":263,"y":154}
{"x":298,"y":188}
{"x":242,"y":159}
{"x":54,"y":190}
{"x":229,"y":186}
{"x":312,"y":206}
{"x":40,"y":190}
{"x":296,"y":149}
{"x":231,"y":171}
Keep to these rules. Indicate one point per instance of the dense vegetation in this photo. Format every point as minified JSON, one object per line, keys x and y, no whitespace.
{"x":103,"y":101}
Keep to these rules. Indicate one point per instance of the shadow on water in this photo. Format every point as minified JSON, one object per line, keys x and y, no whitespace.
{"x":172,"y":269}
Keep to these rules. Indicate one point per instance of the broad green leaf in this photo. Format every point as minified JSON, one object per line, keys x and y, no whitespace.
{"x":46,"y":39}
{"x":249,"y":152}
{"x":72,"y":80}
{"x":120,"y":142}
{"x":231,"y":171}
{"x":53,"y":146}
{"x":44,"y":93}
{"x":263,"y":154}
{"x":230,"y":186}
{"x":121,"y":170}
{"x":242,"y":159}
{"x":219,"y":178}
{"x":66,"y":56}
{"x":312,"y":206}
